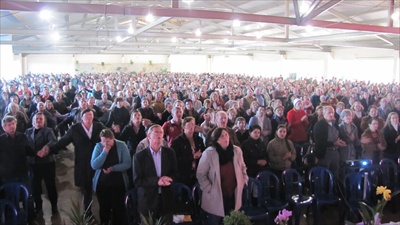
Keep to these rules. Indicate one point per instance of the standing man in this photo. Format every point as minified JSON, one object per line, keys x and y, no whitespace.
{"x":154,"y":169}
{"x":327,"y":141}
{"x":221,"y":119}
{"x":84,"y":135}
{"x":43,"y":165}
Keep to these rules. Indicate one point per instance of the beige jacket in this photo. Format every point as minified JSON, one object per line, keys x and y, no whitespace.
{"x":209,"y":177}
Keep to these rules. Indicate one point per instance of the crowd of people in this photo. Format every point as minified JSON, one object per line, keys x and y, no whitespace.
{"x":215,"y":130}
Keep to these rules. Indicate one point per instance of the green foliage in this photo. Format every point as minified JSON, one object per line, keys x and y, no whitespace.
{"x":150,"y":220}
{"x":131,"y":62}
{"x":77,"y":217}
{"x":150,"y":62}
{"x":102,"y":64}
{"x":237,"y":218}
{"x":119,"y":68}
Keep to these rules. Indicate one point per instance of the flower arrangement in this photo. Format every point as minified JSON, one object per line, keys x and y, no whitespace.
{"x":372,"y":216}
{"x":283,"y":217}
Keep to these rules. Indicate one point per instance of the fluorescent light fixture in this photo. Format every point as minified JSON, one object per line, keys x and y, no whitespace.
{"x":45,"y":14}
{"x":236,"y":23}
{"x":55,"y":36}
{"x":309,"y":28}
{"x":198,"y":32}
{"x":118,"y":38}
{"x":174,"y":39}
{"x":396,"y":16}
{"x":305,"y":6}
{"x":149,"y":18}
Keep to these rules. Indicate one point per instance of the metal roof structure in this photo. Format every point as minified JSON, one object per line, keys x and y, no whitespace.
{"x":203,"y":27}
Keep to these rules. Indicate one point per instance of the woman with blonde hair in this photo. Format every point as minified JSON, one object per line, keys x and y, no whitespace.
{"x":392,"y":136}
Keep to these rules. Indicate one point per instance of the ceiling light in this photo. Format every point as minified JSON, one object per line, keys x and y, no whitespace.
{"x":305,"y":6}
{"x":188,"y":1}
{"x":45,"y":14}
{"x":131,"y":30}
{"x":55,"y":36}
{"x":309,"y":28}
{"x":174,"y":39}
{"x":149,"y":18}
{"x":236,"y":23}
{"x":259,"y":35}
{"x":118,"y":38}
{"x":198,"y":32}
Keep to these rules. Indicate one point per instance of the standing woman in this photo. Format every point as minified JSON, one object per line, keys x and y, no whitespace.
{"x":281,"y":152}
{"x":392,"y":137}
{"x":222,"y":175}
{"x":134,"y":132}
{"x":110,"y":159}
{"x":255,"y":152}
{"x":372,"y":141}
{"x":349,"y":133}
{"x":188,"y":148}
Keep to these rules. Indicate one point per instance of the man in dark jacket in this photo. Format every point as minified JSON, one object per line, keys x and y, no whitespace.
{"x":84,"y":136}
{"x":327,"y":141}
{"x":154,"y":170}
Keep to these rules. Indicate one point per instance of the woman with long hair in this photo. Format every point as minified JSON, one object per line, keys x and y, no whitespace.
{"x":372,"y":141}
{"x":392,"y":136}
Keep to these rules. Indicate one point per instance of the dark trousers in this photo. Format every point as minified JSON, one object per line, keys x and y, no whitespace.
{"x":46,"y":172}
{"x":87,"y":192}
{"x":229,"y":205}
{"x":111,"y":202}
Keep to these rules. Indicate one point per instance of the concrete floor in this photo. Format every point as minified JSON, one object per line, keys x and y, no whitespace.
{"x":67,"y":192}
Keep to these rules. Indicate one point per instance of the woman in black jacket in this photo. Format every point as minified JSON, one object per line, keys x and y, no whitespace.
{"x":188,"y":148}
{"x":254,"y":152}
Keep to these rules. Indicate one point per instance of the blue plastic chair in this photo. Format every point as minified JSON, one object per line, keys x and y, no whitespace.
{"x":293,"y":184}
{"x":8,"y":212}
{"x":390,"y":178}
{"x":18,"y":194}
{"x":321,"y":181}
{"x":184,"y":204}
{"x":271,"y":192}
{"x":254,"y":212}
{"x":357,"y":188}
{"x":131,"y":209}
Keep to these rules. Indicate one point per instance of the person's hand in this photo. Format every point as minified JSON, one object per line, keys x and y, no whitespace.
{"x":397,"y":139}
{"x":108,"y":170}
{"x":159,"y":115}
{"x":197,"y":155}
{"x":365,"y":140}
{"x":340,"y":143}
{"x":304,"y":118}
{"x":146,"y":122}
{"x":164,"y":181}
{"x":43,"y":152}
{"x":106,"y":148}
{"x":262,"y":162}
{"x":116,"y":128}
{"x":287,"y":155}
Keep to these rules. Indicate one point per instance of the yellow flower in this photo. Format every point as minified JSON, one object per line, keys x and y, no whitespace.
{"x":386,"y":194}
{"x":380,"y":190}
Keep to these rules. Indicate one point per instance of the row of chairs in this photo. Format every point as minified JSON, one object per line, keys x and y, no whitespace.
{"x":14,"y":203}
{"x":262,"y":197}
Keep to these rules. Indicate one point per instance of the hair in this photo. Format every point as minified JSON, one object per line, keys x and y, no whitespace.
{"x":107,"y":133}
{"x":239,"y":119}
{"x":187,"y":100}
{"x":345,"y":113}
{"x":119,"y":99}
{"x":87,"y":110}
{"x":254,"y":127}
{"x":281,"y":126}
{"x":326,"y":108}
{"x":8,"y":119}
{"x":34,"y":118}
{"x":388,"y":119}
{"x":176,"y":108}
{"x":216,"y":134}
{"x":151,"y":128}
{"x":372,"y":107}
{"x":372,"y":120}
{"x":207,"y":101}
{"x":134,"y":112}
{"x":187,"y":119}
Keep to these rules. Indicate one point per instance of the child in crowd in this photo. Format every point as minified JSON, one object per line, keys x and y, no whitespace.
{"x":240,"y":129}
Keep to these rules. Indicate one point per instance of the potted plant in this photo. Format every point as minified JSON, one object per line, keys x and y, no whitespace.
{"x":236,"y":218}
{"x":150,"y":220}
{"x":77,"y":217}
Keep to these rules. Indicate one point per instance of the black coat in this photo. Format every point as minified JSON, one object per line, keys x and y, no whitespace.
{"x":321,"y":137}
{"x":83,"y":151}
{"x":254,"y":150}
{"x":131,"y":138}
{"x":146,"y":180}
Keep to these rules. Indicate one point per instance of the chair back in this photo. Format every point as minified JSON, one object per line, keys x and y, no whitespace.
{"x":18,"y":194}
{"x":357,"y":187}
{"x":131,"y":206}
{"x":252,"y":189}
{"x":390,"y":175}
{"x":196,"y":196}
{"x":270,"y":185}
{"x":183,"y":199}
{"x":293,"y":184}
{"x":8,"y":212}
{"x":321,"y":180}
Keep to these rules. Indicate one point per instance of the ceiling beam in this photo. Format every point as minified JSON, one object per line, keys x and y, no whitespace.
{"x":297,"y":12}
{"x":183,"y":13}
{"x":320,"y":10}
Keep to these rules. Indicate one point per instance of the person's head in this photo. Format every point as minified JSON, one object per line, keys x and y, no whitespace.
{"x":38,"y":120}
{"x":392,"y":119}
{"x":188,"y":125}
{"x":357,"y":106}
{"x":83,"y":103}
{"x":373,"y":111}
{"x":281,"y":131}
{"x":9,"y":124}
{"x":383,"y":102}
{"x":329,"y":114}
{"x":255,"y":131}
{"x":136,"y":116}
{"x":207,"y":103}
{"x":260,"y":111}
{"x":48,"y":105}
{"x":145,"y":103}
{"x":220,"y":137}
{"x":373,"y":124}
{"x":339,"y":107}
{"x":179,"y":103}
{"x":240,"y":122}
{"x":91,"y":101}
{"x":107,"y":138}
{"x":168,"y":106}
{"x":221,"y":119}
{"x":254,"y":106}
{"x":347,"y":116}
{"x":15,"y":99}
{"x":87,"y":116}
{"x":177,"y":113}
{"x":12,"y":108}
{"x":155,"y":135}
{"x":188,"y":104}
{"x":297,"y":104}
{"x":232,"y":113}
{"x":278,"y":111}
{"x":119,"y":102}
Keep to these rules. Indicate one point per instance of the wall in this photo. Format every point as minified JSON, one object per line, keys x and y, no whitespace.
{"x":376,"y":65}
